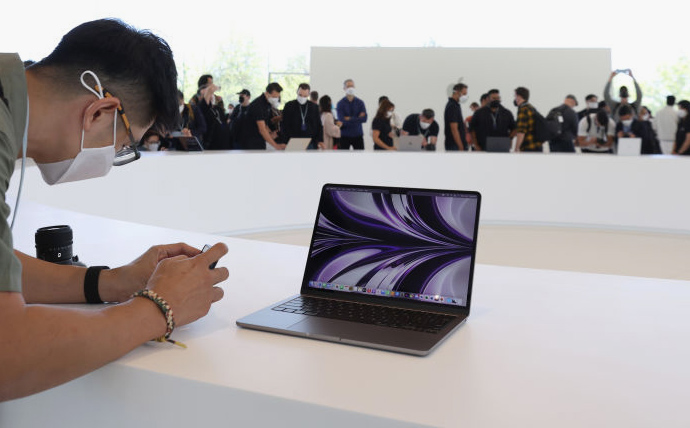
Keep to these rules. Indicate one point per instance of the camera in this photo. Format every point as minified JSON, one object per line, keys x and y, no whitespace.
{"x":54,"y":244}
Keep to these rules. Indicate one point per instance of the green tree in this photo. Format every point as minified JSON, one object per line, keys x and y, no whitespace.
{"x":296,"y":71}
{"x":238,"y":64}
{"x":671,"y":79}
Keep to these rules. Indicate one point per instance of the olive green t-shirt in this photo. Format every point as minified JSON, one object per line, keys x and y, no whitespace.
{"x":12,"y":123}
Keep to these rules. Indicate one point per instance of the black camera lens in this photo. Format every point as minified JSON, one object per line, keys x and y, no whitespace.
{"x":54,"y":244}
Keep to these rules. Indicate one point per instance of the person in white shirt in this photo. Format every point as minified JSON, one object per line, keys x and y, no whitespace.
{"x":595,"y":133}
{"x":666,"y":125}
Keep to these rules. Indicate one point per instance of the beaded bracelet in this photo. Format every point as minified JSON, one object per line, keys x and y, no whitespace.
{"x":167,"y":313}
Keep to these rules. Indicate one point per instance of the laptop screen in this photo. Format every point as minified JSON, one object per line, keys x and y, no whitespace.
{"x":397,"y":243}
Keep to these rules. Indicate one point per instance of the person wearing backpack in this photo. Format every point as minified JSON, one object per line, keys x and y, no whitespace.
{"x":566,"y":116}
{"x":526,"y":123}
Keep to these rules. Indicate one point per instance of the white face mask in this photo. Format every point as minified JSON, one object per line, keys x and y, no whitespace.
{"x":350,"y":92}
{"x":275,"y":101}
{"x":593,"y":105}
{"x":181,"y":108}
{"x":463,"y":99}
{"x":424,"y":125}
{"x":90,"y":162}
{"x":153,"y":147}
{"x":645,"y":117}
{"x":682,"y":113}
{"x":627,"y":123}
{"x":302,"y":100}
{"x":389,"y":114}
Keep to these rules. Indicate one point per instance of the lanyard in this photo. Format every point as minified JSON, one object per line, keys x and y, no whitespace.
{"x":304,"y":114}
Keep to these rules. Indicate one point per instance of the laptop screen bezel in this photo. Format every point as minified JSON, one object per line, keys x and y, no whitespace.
{"x":392,"y":301}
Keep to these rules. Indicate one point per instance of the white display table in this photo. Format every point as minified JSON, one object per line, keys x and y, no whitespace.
{"x":540,"y":349}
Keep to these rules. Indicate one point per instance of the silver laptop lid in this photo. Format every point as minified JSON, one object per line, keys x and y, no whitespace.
{"x":394,"y":245}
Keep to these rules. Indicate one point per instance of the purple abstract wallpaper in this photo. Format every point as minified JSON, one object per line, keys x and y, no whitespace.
{"x":407,"y":243}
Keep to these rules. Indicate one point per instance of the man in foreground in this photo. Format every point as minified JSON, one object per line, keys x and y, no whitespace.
{"x":77,"y":129}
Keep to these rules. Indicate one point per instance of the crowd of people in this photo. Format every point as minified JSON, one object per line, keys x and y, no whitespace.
{"x":259,"y":124}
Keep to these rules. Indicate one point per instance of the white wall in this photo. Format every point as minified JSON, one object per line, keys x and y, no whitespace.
{"x":233,"y":191}
{"x":418,"y":78}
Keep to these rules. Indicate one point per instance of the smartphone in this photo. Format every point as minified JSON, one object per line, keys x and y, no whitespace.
{"x":203,"y":250}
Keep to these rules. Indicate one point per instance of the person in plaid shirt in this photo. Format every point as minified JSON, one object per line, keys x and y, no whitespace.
{"x":525,"y":123}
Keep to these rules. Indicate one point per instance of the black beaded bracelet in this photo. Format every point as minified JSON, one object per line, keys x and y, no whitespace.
{"x":91,"y":284}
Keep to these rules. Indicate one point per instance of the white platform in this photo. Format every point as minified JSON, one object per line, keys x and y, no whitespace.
{"x":541,"y":348}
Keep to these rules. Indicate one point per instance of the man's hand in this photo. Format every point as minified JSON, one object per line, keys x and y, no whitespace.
{"x":188,"y":284}
{"x":117,"y":285}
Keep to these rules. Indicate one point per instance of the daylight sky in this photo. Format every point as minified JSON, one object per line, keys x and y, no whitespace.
{"x":641,"y":37}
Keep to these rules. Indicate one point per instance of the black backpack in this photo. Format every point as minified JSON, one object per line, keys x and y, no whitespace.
{"x":549,"y":127}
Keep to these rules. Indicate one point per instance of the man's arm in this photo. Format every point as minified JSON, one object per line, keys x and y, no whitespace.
{"x":44,"y":346}
{"x":455,"y":132}
{"x":266,"y":134}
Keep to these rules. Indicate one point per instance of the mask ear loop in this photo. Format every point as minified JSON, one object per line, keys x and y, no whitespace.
{"x":100,"y":96}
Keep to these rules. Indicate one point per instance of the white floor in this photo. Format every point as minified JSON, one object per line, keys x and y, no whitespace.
{"x":652,"y":255}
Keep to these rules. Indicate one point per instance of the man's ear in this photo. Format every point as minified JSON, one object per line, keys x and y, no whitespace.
{"x":99,"y":113}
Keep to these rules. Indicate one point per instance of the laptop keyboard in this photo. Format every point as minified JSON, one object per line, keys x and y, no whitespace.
{"x":368,"y":314}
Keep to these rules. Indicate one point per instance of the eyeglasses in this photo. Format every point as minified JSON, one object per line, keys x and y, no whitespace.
{"x":128,"y":153}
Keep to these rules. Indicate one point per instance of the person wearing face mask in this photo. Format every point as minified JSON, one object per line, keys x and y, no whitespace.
{"x":493,"y":120}
{"x":301,"y":118}
{"x":238,"y":116}
{"x":592,"y":106}
{"x":682,"y":145}
{"x":628,"y":126}
{"x":382,"y":132}
{"x":353,"y":113}
{"x":454,"y":125}
{"x":256,"y":129}
{"x":77,"y":128}
{"x":595,"y":133}
{"x":217,"y":135}
{"x":424,"y":125}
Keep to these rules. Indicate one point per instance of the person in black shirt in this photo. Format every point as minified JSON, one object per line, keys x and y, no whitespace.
{"x":682,"y":146}
{"x":492,"y":120}
{"x":301,"y":118}
{"x":454,"y":125}
{"x":255,"y":132}
{"x":381,"y":127}
{"x":564,"y":143}
{"x":239,"y":114}
{"x":424,"y":125}
{"x":217,"y":136}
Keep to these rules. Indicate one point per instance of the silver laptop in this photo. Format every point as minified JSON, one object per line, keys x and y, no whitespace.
{"x":498,"y":144}
{"x":297,"y":144}
{"x":629,"y":146}
{"x":410,"y":143}
{"x":387,"y":268}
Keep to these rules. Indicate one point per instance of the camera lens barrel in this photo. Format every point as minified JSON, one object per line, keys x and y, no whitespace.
{"x":54,"y":244}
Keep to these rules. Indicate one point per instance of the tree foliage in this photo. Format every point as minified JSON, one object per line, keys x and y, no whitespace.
{"x":672,"y":78}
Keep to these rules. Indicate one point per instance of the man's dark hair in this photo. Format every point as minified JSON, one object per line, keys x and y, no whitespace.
{"x":590,"y":97}
{"x":428,"y":113}
{"x":624,"y":111}
{"x":484,"y":97}
{"x":603,"y":118}
{"x":180,"y":95}
{"x":459,"y":87}
{"x":203,"y":80}
{"x":274,"y":87}
{"x":523,"y":92}
{"x":623,"y":92}
{"x":493,"y":91}
{"x":135,"y":66}
{"x":602,"y":104}
{"x":314,"y":96}
{"x":303,"y":86}
{"x":670,"y":100}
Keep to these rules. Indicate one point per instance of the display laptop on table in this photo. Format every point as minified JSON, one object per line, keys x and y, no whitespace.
{"x":498,"y":144}
{"x":297,"y":144}
{"x":387,"y":268}
{"x":187,"y":143}
{"x":629,"y":146}
{"x":410,"y":143}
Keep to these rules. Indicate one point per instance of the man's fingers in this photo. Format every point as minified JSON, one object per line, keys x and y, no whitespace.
{"x":217,"y":294}
{"x":213,"y":254}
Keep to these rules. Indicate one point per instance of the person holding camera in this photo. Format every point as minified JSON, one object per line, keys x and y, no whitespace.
{"x":77,"y":129}
{"x":623,"y":95}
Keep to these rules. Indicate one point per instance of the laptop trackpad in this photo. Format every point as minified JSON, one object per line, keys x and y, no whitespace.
{"x":326,"y":328}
